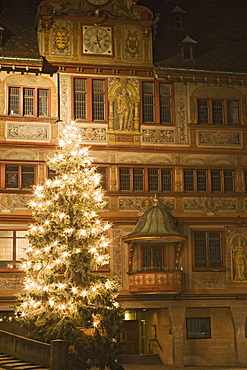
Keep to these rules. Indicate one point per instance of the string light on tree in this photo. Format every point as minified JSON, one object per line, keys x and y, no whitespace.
{"x":63,"y":299}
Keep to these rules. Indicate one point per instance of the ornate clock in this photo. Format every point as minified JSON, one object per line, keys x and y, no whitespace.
{"x":97,"y":40}
{"x":98,"y":2}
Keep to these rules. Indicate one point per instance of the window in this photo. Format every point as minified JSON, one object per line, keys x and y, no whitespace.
{"x":131,"y":178}
{"x":148,"y":179}
{"x":12,"y":244}
{"x":222,"y":180}
{"x":209,"y":180}
{"x":208,"y":249}
{"x":19,"y":176}
{"x":103,"y":172}
{"x":198,"y":328}
{"x":152,"y":258}
{"x":188,"y":51}
{"x":156,"y":103}
{"x":159,"y":179}
{"x":178,"y":21}
{"x":89,"y":99}
{"x":245,"y":181}
{"x":28,"y":101}
{"x":51,"y":174}
{"x":218,"y":111}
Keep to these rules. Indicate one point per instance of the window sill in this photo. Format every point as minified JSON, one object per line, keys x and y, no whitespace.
{"x":14,"y":269}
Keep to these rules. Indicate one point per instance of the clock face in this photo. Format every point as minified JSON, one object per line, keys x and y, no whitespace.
{"x":98,"y":2}
{"x":97,"y":40}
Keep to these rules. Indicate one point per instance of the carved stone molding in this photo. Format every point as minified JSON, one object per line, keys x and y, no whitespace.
{"x":158,"y":136}
{"x":93,"y":134}
{"x":11,"y":282}
{"x":209,"y":206}
{"x":9,"y":202}
{"x":132,"y":42}
{"x":209,"y":280}
{"x":142,"y":204}
{"x":117,"y":254}
{"x":28,"y":131}
{"x":219,"y":138}
{"x":64,"y":108}
{"x":181,"y":113}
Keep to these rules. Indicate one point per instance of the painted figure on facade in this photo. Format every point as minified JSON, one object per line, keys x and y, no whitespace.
{"x":239,"y":260}
{"x":124,"y":110}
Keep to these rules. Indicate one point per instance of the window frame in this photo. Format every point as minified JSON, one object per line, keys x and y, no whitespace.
{"x":208,"y":261}
{"x":104,"y":177}
{"x":207,"y":320}
{"x":20,"y":102}
{"x":146,"y":179}
{"x":211,"y":110}
{"x":89,"y":99}
{"x":210,"y":180}
{"x":20,"y":176}
{"x":152,"y":267}
{"x":157,"y":103}
{"x":14,"y":262}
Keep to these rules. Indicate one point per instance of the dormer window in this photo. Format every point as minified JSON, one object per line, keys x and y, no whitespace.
{"x":178,"y":21}
{"x":188,"y":48}
{"x":178,"y":17}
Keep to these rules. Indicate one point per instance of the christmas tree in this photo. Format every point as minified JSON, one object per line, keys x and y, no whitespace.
{"x":62,"y":298}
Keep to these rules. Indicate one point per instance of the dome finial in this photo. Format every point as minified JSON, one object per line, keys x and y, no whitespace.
{"x":156,"y":200}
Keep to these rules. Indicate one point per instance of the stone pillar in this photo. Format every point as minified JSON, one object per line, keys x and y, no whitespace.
{"x":58,"y":354}
{"x":238,"y":311}
{"x":177,"y":317}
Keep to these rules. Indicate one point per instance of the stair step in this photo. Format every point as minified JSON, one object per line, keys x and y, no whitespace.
{"x":30,"y":367}
{"x":140,"y":359}
{"x":15,"y":365}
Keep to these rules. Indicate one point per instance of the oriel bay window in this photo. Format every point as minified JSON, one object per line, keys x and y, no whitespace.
{"x":152,"y":258}
{"x":216,"y":180}
{"x":208,"y":249}
{"x":156,"y":103}
{"x":89,"y":99}
{"x":145,"y":179}
{"x":19,"y":176}
{"x":218,"y":111}
{"x":28,"y":101}
{"x":12,"y":245}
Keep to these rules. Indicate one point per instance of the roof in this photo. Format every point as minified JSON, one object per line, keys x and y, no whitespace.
{"x":155,"y":224}
{"x":218,"y":27}
{"x":18,"y":18}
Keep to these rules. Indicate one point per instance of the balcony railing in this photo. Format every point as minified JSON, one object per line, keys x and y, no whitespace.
{"x":155,"y":281}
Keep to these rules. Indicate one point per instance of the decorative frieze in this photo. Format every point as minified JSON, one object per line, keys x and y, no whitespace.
{"x":209,"y":280}
{"x":11,"y":282}
{"x":93,"y":134}
{"x":157,"y":136}
{"x":117,"y":254}
{"x":64,"y":98}
{"x":155,"y":281}
{"x":219,"y":138}
{"x":9,"y":202}
{"x":28,"y":131}
{"x":210,"y":205}
{"x":181,"y":113}
{"x":142,"y":204}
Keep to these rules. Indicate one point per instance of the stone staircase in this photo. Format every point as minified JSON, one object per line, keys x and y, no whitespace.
{"x":11,"y":363}
{"x":140,"y":360}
